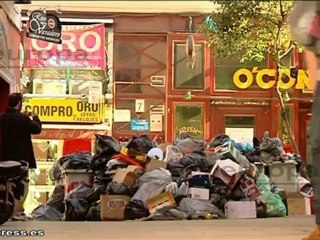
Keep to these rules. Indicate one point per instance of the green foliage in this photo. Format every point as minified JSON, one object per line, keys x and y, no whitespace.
{"x":250,"y":28}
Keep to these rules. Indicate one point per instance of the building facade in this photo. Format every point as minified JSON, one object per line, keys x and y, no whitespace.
{"x":155,"y":87}
{"x":10,"y":28}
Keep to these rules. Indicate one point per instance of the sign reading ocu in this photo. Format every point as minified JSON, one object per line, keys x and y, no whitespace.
{"x":265,"y":79}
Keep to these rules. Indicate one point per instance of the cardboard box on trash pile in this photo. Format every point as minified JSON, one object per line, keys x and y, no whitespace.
{"x":73,"y":177}
{"x":199,"y":179}
{"x":228,"y":171}
{"x":113,"y":207}
{"x":298,"y":204}
{"x":241,"y":210}
{"x":199,"y":193}
{"x":229,"y":151}
{"x":153,"y":164}
{"x":125,"y":177}
{"x":165,"y":199}
{"x":249,"y":188}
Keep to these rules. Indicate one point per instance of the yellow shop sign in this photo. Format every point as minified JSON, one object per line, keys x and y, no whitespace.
{"x":65,"y":110}
{"x":302,"y":82}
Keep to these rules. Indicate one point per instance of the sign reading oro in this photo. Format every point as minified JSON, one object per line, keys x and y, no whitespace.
{"x":65,"y":110}
{"x":302,"y":82}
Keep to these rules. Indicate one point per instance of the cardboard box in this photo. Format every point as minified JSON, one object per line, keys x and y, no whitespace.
{"x":135,"y":169}
{"x":199,"y":193}
{"x":249,"y":188}
{"x":153,"y":164}
{"x":73,"y":177}
{"x":113,"y":207}
{"x":228,"y":171}
{"x":298,"y":204}
{"x":241,"y":210}
{"x":199,"y":179}
{"x":165,"y":199}
{"x":125,"y":177}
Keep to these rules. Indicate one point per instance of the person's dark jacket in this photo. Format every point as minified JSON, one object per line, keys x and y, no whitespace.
{"x":15,"y":132}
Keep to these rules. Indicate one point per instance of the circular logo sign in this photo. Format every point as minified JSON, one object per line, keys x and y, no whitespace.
{"x":51,"y":23}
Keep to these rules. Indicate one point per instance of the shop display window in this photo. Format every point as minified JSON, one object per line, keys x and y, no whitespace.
{"x":189,"y":119}
{"x":80,"y":87}
{"x":184,"y":77}
{"x":49,"y":87}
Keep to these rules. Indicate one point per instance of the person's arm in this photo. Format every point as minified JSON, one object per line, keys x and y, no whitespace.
{"x":34,"y":126}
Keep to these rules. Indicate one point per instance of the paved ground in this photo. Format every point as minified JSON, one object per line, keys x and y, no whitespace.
{"x":260,"y":229}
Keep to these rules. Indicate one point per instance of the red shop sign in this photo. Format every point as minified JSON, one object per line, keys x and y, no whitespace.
{"x":82,"y":47}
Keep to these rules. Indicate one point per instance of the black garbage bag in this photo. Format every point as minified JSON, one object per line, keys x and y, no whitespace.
{"x":135,"y":209}
{"x":121,"y":189}
{"x":190,"y":145}
{"x":76,"y":209}
{"x":81,"y":191}
{"x":94,"y":213}
{"x":183,"y":136}
{"x":218,"y":141}
{"x":252,"y":156}
{"x":198,"y":159}
{"x":57,"y":198}
{"x":141,"y":144}
{"x":237,"y":194}
{"x":106,"y":147}
{"x":256,"y":143}
{"x":99,"y":163}
{"x":220,"y":188}
{"x":79,"y":160}
{"x":262,"y":210}
{"x":100,"y":184}
{"x":46,"y":213}
{"x":55,"y":172}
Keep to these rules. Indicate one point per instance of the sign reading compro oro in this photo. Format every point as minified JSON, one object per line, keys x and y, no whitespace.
{"x":65,"y":110}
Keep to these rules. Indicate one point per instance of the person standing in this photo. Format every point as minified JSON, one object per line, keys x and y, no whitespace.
{"x":16,"y":129}
{"x":305,"y":28}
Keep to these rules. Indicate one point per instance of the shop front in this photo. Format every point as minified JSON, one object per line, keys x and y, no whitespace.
{"x":9,"y":52}
{"x":68,"y":86}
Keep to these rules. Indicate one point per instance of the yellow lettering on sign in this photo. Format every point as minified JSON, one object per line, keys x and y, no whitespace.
{"x":247,"y":74}
{"x":285,"y":85}
{"x":265,"y":72}
{"x":65,"y":110}
{"x":303,"y":82}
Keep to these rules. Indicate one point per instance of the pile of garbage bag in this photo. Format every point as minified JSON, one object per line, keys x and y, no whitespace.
{"x":190,"y":179}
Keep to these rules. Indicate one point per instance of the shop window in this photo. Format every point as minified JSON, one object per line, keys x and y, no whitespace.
{"x":137,"y":61}
{"x":49,"y":87}
{"x":240,"y":128}
{"x":283,"y":133}
{"x":185,"y":77}
{"x":189,"y":119}
{"x":80,"y":87}
{"x":226,"y":68}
